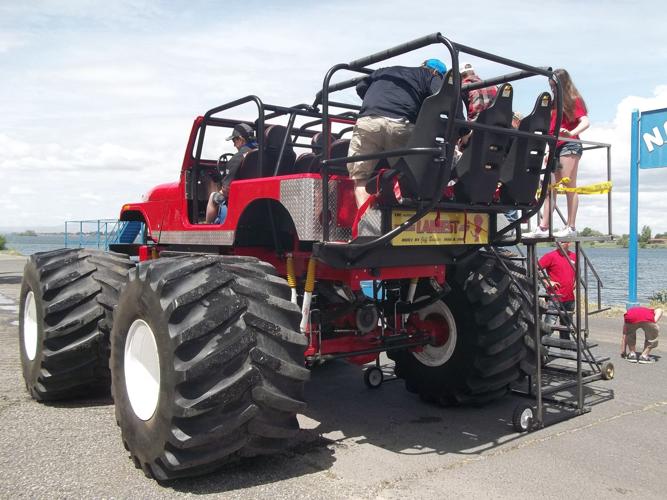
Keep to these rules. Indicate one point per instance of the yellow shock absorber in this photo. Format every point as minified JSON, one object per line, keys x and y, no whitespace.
{"x":291,"y":278}
{"x":308,"y":296}
{"x":310,"y":276}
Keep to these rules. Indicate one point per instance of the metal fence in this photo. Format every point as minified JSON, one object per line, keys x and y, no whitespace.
{"x":99,"y":233}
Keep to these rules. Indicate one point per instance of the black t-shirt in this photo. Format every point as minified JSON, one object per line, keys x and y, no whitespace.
{"x":397,"y":91}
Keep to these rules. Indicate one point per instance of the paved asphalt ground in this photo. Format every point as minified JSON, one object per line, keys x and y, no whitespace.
{"x":356,"y":442}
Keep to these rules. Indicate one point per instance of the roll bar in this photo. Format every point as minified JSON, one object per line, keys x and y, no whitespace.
{"x":359,"y":65}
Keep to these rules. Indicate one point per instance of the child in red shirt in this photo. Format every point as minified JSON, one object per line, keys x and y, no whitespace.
{"x":560,"y":270}
{"x":646,"y":319}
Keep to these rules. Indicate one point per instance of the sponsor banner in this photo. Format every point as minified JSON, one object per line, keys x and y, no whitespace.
{"x":442,"y":228}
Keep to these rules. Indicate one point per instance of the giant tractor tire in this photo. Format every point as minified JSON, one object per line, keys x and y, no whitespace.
{"x":65,"y":317}
{"x":207,"y":363}
{"x":484,"y":347}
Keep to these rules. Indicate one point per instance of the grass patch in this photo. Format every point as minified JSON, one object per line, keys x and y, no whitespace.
{"x":10,"y":251}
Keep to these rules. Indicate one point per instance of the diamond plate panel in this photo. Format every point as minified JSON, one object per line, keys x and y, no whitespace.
{"x":303,"y":200}
{"x":196,"y":237}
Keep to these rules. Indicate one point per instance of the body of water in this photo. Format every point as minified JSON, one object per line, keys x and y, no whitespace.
{"x":27,"y":245}
{"x":610,"y":263}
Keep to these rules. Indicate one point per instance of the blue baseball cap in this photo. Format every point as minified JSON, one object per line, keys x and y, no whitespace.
{"x":436,"y":64}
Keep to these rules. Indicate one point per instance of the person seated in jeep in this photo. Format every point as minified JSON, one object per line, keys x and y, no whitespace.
{"x":244,"y":141}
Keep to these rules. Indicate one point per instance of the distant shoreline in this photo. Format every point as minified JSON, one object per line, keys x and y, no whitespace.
{"x":609,"y":261}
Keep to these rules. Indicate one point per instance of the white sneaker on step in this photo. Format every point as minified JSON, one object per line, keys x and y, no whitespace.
{"x":538,"y":233}
{"x":566,"y":232}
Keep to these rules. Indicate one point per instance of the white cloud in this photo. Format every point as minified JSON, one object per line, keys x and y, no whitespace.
{"x":652,"y":183}
{"x":25,"y":158}
{"x":10,"y":41}
{"x":50,"y":183}
{"x":98,"y":97}
{"x":20,"y":190}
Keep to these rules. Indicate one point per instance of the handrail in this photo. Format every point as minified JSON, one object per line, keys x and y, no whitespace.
{"x":98,"y":233}
{"x":554,"y":207}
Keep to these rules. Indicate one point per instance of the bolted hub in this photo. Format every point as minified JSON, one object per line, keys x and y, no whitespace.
{"x":437,"y":320}
{"x":367,"y":318}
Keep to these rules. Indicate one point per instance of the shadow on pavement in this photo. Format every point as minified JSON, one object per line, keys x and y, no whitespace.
{"x":396,"y":420}
{"x":344,"y":413}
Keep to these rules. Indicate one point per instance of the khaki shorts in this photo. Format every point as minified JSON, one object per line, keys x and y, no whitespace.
{"x":374,"y":134}
{"x":651,"y":331}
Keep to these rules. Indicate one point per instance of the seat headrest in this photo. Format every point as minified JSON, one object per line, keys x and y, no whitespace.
{"x":339,"y":149}
{"x":250,"y":166}
{"x":273,"y":137}
{"x":318,"y":142}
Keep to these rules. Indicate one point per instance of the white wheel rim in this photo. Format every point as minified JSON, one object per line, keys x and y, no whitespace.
{"x":30,"y":326}
{"x":432,"y":355}
{"x":526,"y":416}
{"x":142,"y":369}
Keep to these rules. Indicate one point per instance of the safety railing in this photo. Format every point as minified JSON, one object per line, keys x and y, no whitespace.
{"x":98,"y":233}
{"x":587,"y":146}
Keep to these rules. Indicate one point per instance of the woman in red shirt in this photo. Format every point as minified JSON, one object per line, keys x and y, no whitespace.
{"x":574,"y":121}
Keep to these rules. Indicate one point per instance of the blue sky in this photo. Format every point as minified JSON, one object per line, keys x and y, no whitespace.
{"x":98,"y":98}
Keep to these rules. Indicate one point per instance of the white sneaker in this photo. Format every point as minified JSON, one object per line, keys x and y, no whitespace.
{"x":538,"y":233}
{"x":566,"y":232}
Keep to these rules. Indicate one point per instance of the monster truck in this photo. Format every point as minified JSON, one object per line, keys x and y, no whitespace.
{"x":206,"y":332}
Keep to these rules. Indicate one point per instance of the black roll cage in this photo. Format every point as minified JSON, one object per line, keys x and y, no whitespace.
{"x":265,"y":112}
{"x":444,"y":151}
{"x":454,"y":49}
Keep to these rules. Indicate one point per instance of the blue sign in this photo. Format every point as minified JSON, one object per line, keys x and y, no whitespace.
{"x":653,"y":138}
{"x":648,"y":149}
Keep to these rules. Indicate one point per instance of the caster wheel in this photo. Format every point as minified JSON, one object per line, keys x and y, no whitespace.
{"x":373,"y":377}
{"x":522,"y":419}
{"x":607,"y":369}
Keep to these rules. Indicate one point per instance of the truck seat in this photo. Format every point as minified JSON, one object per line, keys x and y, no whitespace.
{"x":478,"y":170}
{"x":429,"y":131}
{"x":273,"y":139}
{"x":520,"y":172}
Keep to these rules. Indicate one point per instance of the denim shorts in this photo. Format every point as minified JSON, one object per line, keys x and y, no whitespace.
{"x":569,"y":148}
{"x":222,"y":214}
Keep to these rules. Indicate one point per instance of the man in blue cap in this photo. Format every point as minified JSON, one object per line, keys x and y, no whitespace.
{"x":392,"y":98}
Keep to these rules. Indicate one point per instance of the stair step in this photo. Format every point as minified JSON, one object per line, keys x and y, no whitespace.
{"x":561,"y":328}
{"x":556,"y":312}
{"x":572,"y":356}
{"x":564,"y":344}
{"x":564,"y":328}
{"x":129,"y":232}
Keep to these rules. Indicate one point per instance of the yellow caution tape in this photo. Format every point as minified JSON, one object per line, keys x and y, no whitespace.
{"x":598,"y":188}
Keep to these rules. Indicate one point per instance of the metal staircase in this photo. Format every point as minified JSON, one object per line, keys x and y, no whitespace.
{"x":572,"y":342}
{"x":128,"y":231}
{"x":566,"y":362}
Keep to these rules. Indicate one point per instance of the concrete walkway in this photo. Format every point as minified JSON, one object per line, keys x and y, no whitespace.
{"x":357,"y":443}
